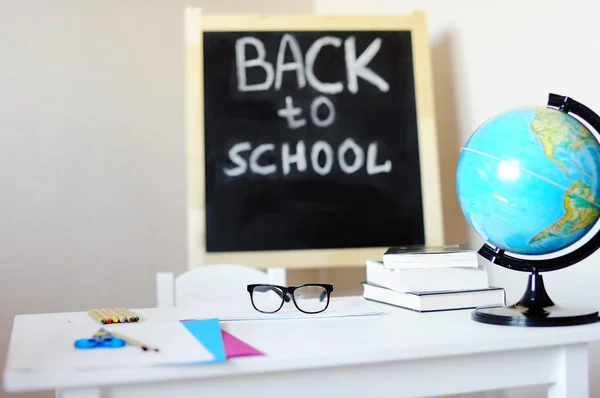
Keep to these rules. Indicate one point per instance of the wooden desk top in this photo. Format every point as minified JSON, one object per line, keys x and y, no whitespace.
{"x":397,"y":335}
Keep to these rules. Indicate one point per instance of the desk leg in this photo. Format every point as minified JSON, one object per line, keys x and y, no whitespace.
{"x":79,"y":393}
{"x":572,"y":378}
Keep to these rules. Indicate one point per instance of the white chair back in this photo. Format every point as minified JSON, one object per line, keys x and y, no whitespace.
{"x":219,"y":282}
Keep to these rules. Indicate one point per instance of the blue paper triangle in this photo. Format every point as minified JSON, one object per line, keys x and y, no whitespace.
{"x":208,"y":333}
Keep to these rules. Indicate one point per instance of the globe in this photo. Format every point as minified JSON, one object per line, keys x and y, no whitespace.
{"x":528,"y":180}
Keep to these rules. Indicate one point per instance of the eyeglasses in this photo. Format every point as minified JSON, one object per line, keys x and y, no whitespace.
{"x":310,"y":298}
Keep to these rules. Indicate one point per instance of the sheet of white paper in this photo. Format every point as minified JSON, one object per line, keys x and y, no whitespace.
{"x":53,"y":348}
{"x":239,"y":311}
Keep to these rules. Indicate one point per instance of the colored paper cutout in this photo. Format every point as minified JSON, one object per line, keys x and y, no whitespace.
{"x":235,"y":347}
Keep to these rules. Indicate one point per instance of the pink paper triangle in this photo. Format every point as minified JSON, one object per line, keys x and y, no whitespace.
{"x":235,"y":347}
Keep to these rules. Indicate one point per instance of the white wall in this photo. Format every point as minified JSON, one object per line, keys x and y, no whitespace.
{"x":92,"y":160}
{"x":489,"y":56}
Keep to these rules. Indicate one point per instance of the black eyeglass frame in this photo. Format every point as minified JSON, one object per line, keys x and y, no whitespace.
{"x":288,"y":291}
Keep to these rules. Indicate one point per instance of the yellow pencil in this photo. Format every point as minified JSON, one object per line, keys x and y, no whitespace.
{"x":97,"y":316}
{"x":116,"y":315}
{"x":131,"y":341}
{"x":114,"y":318}
{"x":124,"y":315}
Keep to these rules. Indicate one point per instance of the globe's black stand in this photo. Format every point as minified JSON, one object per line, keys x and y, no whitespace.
{"x":536,"y":308}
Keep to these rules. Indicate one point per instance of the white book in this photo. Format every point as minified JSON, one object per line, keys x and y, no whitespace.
{"x":426,"y":279}
{"x":436,"y":301}
{"x":421,"y":256}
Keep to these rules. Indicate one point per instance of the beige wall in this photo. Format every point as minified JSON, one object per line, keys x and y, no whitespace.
{"x":92,"y":185}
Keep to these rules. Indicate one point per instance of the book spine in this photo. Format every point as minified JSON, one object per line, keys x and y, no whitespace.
{"x":427,"y":279}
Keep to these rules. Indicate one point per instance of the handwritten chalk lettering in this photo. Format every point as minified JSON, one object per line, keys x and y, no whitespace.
{"x":234,"y":155}
{"x":372,"y":166}
{"x":256,"y":154}
{"x":347,"y":148}
{"x":356,"y":67}
{"x":242,"y":64}
{"x":304,"y":66}
{"x":290,"y":112}
{"x":317,"y":148}
{"x":311,"y":56}
{"x":359,"y":156}
{"x":299,"y":157}
{"x":297,"y":65}
{"x":314,"y":108}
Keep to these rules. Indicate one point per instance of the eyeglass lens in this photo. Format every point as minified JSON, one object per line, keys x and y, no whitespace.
{"x":267,"y":298}
{"x":311,"y":298}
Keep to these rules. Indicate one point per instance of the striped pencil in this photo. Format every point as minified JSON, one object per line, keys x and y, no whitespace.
{"x":125,"y":315}
{"x":130,"y":314}
{"x":104,"y":315}
{"x":115,"y":315}
{"x":97,"y":316}
{"x":113,"y":318}
{"x":131,"y":341}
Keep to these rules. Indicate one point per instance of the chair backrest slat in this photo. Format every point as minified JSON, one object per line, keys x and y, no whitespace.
{"x":219,"y":282}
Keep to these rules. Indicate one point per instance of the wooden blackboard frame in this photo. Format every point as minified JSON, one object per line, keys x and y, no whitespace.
{"x":195,"y":23}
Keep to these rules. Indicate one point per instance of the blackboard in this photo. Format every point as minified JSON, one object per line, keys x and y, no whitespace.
{"x":309,"y":146}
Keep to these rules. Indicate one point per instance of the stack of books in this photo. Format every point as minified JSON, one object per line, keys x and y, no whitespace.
{"x":425,"y":278}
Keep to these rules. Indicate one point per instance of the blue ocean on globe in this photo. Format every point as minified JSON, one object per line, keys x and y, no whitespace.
{"x":528,"y":180}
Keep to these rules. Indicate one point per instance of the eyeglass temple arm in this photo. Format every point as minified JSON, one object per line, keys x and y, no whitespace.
{"x":265,"y":289}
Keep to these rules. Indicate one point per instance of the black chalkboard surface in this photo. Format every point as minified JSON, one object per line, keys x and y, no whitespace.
{"x":311,"y":141}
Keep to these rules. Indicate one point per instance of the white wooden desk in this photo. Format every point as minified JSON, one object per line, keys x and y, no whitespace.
{"x":400,"y":354}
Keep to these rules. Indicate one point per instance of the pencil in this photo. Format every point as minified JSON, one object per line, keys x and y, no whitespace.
{"x":96,"y":316}
{"x":134,"y":315}
{"x":124,"y":315}
{"x":130,"y":314}
{"x":116,"y":315}
{"x":114,"y":318}
{"x":104,"y":315}
{"x":131,"y":341}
